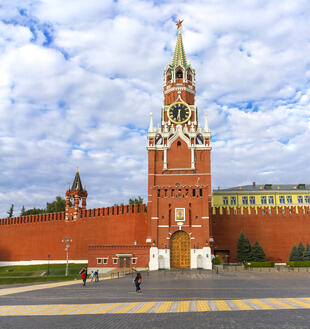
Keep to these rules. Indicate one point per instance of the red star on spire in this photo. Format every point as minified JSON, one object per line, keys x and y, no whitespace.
{"x":179,"y":23}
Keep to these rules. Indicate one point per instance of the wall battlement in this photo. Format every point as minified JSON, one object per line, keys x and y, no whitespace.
{"x":261,"y":210}
{"x":83,"y":214}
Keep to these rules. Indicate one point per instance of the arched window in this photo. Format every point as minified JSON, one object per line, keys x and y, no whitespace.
{"x":199,"y":139}
{"x":189,"y":76}
{"x":179,"y":74}
{"x":168,"y":77}
{"x":158,"y":140}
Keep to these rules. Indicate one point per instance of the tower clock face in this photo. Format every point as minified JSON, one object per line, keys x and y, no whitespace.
{"x":179,"y":112}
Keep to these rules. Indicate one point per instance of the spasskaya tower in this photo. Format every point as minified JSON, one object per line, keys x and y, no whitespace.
{"x":179,"y":174}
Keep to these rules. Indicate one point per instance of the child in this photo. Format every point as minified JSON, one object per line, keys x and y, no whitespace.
{"x":137,"y":282}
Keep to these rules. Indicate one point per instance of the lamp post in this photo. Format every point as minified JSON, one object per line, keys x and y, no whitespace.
{"x":67,"y":240}
{"x":48,"y":264}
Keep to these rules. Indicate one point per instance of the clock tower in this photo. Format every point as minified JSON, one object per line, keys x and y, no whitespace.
{"x":179,"y":174}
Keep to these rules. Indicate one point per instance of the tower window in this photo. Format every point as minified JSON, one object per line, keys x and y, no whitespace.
{"x":178,"y":143}
{"x":179,"y":74}
{"x":194,"y":192}
{"x":158,"y":193}
{"x":200,"y":191}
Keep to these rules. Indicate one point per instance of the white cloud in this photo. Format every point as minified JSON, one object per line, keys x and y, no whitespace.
{"x":78,"y":80}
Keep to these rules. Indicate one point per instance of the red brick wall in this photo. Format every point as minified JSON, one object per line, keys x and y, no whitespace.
{"x":276,"y":233}
{"x":141,"y":252}
{"x":34,"y":237}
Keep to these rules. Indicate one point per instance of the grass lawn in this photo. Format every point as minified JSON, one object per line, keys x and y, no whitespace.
{"x":38,"y":273}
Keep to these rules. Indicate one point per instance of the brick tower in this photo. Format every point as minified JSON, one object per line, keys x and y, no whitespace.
{"x":179,"y":174}
{"x":75,"y":198}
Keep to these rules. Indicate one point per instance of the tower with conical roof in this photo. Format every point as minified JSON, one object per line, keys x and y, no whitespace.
{"x":179,"y":174}
{"x":75,"y":198}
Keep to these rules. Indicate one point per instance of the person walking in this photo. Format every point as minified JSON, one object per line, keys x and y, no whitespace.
{"x":138,"y":281}
{"x":97,"y":276}
{"x":83,"y":273}
{"x":92,"y":275}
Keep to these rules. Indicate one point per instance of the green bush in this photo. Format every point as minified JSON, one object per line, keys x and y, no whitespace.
{"x":299,"y":264}
{"x":259,"y":264}
{"x":216,"y":261}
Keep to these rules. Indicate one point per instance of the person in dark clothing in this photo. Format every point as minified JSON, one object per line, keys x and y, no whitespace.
{"x":138,"y":281}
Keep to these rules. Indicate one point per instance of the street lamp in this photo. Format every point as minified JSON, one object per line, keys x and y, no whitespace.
{"x":48,"y":264}
{"x":67,"y":240}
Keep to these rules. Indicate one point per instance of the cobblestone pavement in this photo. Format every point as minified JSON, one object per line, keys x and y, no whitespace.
{"x":170,"y":299}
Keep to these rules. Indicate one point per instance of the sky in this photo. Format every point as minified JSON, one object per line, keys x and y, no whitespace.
{"x":78,"y":80}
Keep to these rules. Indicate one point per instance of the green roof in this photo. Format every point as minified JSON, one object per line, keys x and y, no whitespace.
{"x":77,"y":184}
{"x":179,"y":57}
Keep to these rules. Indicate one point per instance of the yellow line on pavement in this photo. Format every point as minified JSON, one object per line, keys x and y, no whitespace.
{"x":58,"y":308}
{"x":127,"y":308}
{"x":222,"y":305}
{"x":35,"y":310}
{"x":262,"y":304}
{"x":243,"y":306}
{"x":164,"y":307}
{"x":183,"y":306}
{"x":203,"y":306}
{"x":281,"y":303}
{"x":145,"y":308}
{"x":108,"y":308}
{"x":72,"y":308}
{"x":90,"y":308}
{"x":298,"y":302}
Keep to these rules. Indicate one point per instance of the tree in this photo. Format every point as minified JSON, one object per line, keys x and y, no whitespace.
{"x":59,"y":205}
{"x":22,"y":212}
{"x":243,"y":248}
{"x":138,"y":200}
{"x":294,"y":254}
{"x":306,"y":255}
{"x":258,"y":254}
{"x":11,"y":211}
{"x":300,"y":250}
{"x":34,"y":211}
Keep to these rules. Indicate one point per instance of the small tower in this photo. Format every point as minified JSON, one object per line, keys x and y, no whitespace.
{"x":75,"y":198}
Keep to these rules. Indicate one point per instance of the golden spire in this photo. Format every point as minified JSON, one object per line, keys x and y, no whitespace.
{"x":179,"y":57}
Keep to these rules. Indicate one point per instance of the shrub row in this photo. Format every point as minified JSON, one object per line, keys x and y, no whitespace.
{"x":259,"y":264}
{"x":298,"y":263}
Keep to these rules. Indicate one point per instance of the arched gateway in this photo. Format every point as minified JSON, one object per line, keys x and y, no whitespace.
{"x":180,"y":249}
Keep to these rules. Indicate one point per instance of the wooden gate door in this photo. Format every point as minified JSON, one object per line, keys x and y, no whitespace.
{"x":180,"y":253}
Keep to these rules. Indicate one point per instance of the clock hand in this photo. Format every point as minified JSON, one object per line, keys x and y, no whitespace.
{"x":179,"y":115}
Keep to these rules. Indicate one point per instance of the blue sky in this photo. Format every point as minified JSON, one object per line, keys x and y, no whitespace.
{"x":79,"y":79}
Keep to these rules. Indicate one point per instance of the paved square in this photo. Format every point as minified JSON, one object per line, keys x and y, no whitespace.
{"x":170,"y":299}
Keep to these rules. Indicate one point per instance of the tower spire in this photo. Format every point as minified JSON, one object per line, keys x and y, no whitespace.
{"x":179,"y":57}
